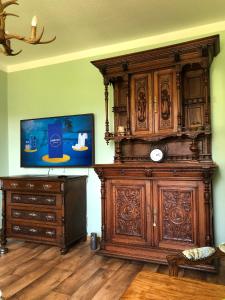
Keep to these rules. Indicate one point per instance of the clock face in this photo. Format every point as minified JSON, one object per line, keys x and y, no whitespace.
{"x":156,"y":155}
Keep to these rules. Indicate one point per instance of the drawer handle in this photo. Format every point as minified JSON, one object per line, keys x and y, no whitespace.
{"x":32,"y":198}
{"x":30,"y":185}
{"x":16,"y":198}
{"x":14,"y":184}
{"x":16,"y":228}
{"x":49,"y":200}
{"x":51,"y":233}
{"x":155,"y":214}
{"x":47,"y":186}
{"x":33,"y":230}
{"x":16,"y":213}
{"x":32,"y":214}
{"x":49,"y":217}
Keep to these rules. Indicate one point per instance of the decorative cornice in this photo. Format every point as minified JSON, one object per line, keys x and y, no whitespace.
{"x":208,"y":46}
{"x":166,"y":38}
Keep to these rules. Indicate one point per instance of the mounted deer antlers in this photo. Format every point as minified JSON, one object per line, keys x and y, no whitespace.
{"x":5,"y":37}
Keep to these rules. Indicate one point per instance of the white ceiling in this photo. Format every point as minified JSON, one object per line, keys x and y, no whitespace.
{"x":85,"y":24}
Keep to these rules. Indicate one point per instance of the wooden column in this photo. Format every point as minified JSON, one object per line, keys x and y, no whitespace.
{"x":179,"y":99}
{"x":126,"y":80}
{"x":107,"y":134}
{"x":205,"y":67}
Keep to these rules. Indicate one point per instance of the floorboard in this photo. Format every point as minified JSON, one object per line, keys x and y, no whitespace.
{"x":33,"y":271}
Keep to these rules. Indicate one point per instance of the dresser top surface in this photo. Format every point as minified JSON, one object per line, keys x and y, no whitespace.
{"x":43,"y":177}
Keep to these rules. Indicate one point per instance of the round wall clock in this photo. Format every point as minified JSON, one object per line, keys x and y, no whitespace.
{"x":156,"y":155}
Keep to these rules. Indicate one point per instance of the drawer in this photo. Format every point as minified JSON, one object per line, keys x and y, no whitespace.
{"x":33,"y":232}
{"x":48,"y":217}
{"x":33,"y":185}
{"x":53,"y":201}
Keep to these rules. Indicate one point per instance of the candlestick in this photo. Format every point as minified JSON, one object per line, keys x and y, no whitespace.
{"x":33,"y":28}
{"x":121,"y":130}
{"x":34,"y":21}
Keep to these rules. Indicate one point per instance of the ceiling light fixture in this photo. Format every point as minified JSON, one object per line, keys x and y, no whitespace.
{"x":6,"y":37}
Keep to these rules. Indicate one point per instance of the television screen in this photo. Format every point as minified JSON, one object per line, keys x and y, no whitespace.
{"x":66,"y":141}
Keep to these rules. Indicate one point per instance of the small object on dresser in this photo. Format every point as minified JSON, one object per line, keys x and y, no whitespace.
{"x":121,"y":130}
{"x":94,"y":241}
{"x":1,"y":296}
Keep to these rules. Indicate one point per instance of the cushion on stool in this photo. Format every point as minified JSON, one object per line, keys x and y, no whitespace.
{"x":222,"y":247}
{"x":199,"y":253}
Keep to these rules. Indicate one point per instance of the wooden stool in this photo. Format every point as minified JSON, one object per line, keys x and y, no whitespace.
{"x":196,"y":256}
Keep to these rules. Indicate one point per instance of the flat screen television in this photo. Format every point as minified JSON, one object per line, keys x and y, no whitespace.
{"x":65,"y":141}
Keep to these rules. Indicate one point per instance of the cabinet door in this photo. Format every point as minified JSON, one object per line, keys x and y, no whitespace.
{"x":165,"y":101}
{"x":128,"y":207}
{"x":141,"y":104}
{"x":176,"y":214}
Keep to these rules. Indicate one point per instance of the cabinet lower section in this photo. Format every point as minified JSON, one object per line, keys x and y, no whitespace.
{"x":149,"y":212}
{"x":50,"y":210}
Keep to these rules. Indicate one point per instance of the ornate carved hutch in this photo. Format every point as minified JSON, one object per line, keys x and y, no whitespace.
{"x":161,"y":100}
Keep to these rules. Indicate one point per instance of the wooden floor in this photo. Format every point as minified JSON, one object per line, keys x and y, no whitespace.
{"x":33,"y":271}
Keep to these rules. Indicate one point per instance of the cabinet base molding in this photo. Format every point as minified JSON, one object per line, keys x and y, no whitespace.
{"x":152,"y":257}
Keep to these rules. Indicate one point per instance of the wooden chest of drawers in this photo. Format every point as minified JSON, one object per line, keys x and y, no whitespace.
{"x":49,"y":209}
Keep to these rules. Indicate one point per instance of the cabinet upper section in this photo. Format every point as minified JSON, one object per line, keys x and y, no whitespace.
{"x":161,"y":94}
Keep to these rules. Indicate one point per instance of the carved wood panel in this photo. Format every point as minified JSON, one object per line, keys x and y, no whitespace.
{"x":194,"y":101}
{"x":178,"y":212}
{"x":165,"y":101}
{"x":128,"y":210}
{"x":141,"y":106}
{"x":177,"y":215}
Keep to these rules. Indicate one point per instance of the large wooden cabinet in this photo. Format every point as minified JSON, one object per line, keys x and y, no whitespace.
{"x":161,"y":100}
{"x":45,"y":209}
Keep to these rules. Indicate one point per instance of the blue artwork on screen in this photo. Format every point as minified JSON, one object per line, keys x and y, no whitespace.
{"x":66,"y":141}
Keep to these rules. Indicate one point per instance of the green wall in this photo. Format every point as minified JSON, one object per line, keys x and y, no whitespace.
{"x":3,"y":129}
{"x":218,"y":138}
{"x":76,"y":87}
{"x":3,"y":125}
{"x":64,"y":89}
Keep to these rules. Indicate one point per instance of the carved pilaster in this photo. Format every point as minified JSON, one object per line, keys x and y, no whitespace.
{"x":208,"y":206}
{"x":117,"y":157}
{"x":100,"y":173}
{"x":3,"y":241}
{"x":194,"y":149}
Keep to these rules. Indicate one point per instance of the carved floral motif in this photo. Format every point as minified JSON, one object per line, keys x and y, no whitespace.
{"x":177,"y":215}
{"x":165,"y":100}
{"x":128,"y":211}
{"x":141,"y":98}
